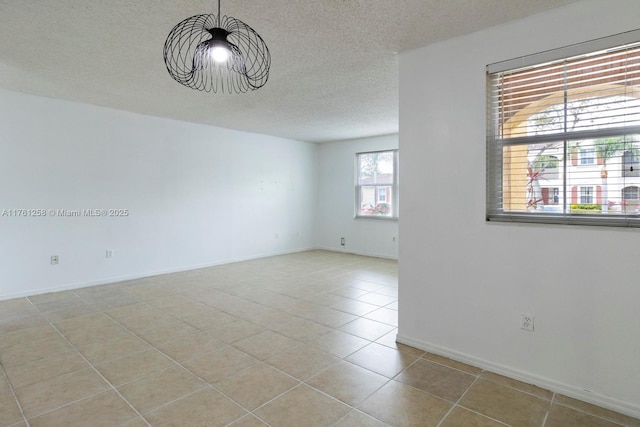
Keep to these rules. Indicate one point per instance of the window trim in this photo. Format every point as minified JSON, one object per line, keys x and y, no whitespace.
{"x":495,"y":144}
{"x":577,"y":49}
{"x":394,"y":187}
{"x":626,"y":189}
{"x":587,"y":157}
{"x":586,"y":191}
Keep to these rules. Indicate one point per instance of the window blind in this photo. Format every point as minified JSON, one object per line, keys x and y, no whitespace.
{"x":563,"y":138}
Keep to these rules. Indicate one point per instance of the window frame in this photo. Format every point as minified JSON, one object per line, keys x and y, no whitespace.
{"x":382,"y":190}
{"x":394,"y":202}
{"x":587,"y":156}
{"x":630,"y":160}
{"x":495,"y":143}
{"x":626,"y":191}
{"x":586,"y":194}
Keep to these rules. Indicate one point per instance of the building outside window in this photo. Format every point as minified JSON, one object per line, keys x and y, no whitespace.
{"x":377,"y":184}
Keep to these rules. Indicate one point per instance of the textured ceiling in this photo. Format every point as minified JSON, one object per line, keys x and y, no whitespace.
{"x":334,"y":72}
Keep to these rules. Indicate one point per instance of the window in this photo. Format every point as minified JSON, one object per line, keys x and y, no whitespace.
{"x":377,"y":184}
{"x":586,"y":195}
{"x":563,"y":134}
{"x":550,"y":196}
{"x":631,"y":193}
{"x":382,"y":193}
{"x":631,"y":165}
{"x":587,"y":156}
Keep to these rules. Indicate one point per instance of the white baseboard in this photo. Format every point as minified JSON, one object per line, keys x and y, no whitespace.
{"x":116,"y":279}
{"x":349,"y":251}
{"x":546,"y":383}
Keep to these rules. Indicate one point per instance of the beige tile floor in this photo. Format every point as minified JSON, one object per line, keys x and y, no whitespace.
{"x":305,"y":339}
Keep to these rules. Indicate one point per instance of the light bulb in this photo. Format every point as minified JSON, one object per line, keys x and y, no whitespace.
{"x":220,"y":54}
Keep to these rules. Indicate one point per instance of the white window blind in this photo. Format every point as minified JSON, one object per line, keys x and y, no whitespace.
{"x":563,"y":136}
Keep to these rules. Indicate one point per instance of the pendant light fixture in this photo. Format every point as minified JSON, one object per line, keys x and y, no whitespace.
{"x":217,"y":54}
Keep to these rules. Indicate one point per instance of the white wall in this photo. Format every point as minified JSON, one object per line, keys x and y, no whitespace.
{"x":336,"y":201}
{"x":464,"y":282}
{"x":197,"y":195}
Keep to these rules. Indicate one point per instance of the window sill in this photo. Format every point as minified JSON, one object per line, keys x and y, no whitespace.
{"x":630,"y":220}
{"x":376,"y":218}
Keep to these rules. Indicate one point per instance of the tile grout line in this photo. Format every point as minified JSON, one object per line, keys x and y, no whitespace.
{"x":300,"y":382}
{"x":250,"y":280}
{"x":456,"y":404}
{"x":355,"y":407}
{"x":245,"y":299}
{"x":307,"y":319}
{"x":449,"y":366}
{"x":343,"y":359}
{"x":352,"y":410}
{"x":316,"y":304}
{"x":546,"y":416}
{"x":616,"y":423}
{"x":332,"y":329}
{"x":252,"y":412}
{"x":378,"y":373}
{"x":479,"y":377}
{"x":72,"y":402}
{"x":529,"y":393}
{"x":208,"y":384}
{"x":551,"y":403}
{"x":15,"y":397}
{"x":98,"y":372}
{"x":554,"y":402}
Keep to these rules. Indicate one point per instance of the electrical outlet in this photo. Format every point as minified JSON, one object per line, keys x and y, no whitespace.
{"x":109,"y":253}
{"x":526,"y":322}
{"x":55,"y":260}
{"x":342,"y":241}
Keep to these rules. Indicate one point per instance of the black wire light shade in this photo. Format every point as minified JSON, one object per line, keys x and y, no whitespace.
{"x":217,"y":54}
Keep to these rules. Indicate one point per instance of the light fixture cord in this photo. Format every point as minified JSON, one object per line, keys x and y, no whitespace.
{"x":218,"y":13}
